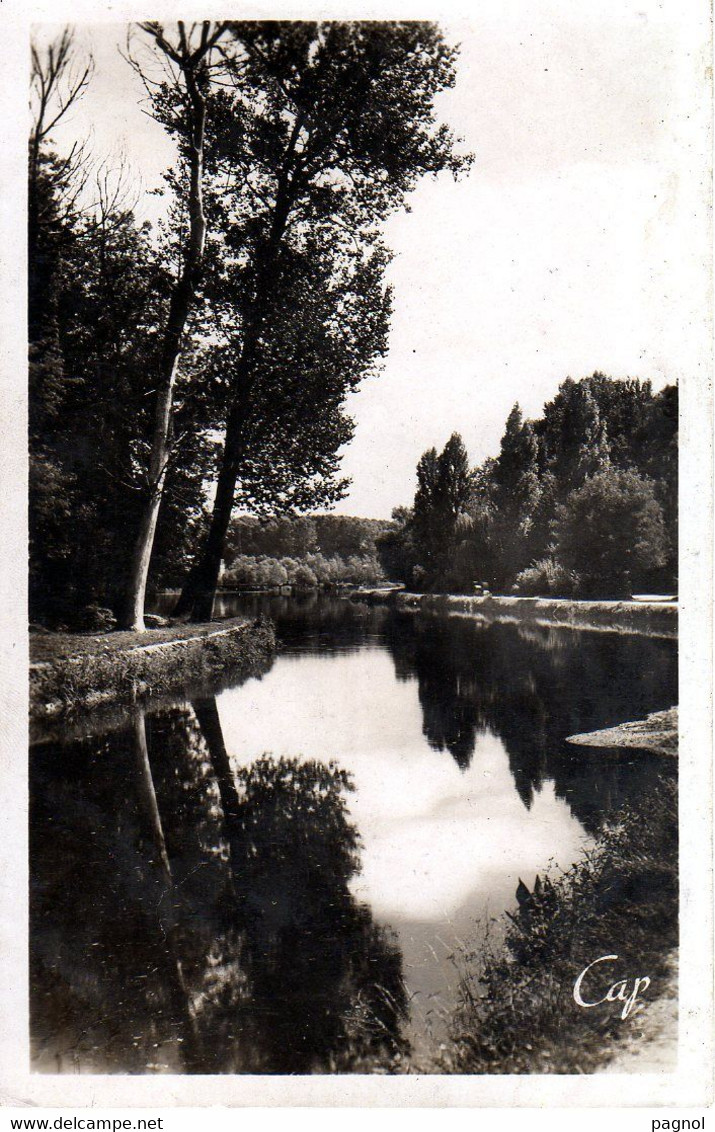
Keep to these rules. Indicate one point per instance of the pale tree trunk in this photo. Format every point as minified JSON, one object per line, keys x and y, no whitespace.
{"x":181,"y":301}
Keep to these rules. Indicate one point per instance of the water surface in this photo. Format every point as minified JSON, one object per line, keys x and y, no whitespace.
{"x":280,"y":877}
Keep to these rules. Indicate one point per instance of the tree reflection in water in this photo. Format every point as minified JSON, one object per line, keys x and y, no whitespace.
{"x":201,"y":922}
{"x":106,"y":993}
{"x":322,"y":984}
{"x":532,"y":687}
{"x":310,"y":621}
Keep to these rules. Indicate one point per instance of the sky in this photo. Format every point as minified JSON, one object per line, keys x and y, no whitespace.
{"x":569,"y":248}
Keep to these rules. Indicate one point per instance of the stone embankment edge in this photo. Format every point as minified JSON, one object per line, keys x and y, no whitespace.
{"x":142,"y":671}
{"x":650,"y":619}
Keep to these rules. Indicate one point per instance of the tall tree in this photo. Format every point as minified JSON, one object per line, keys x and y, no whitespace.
{"x":59,"y":77}
{"x":516,"y":496}
{"x":189,"y":54}
{"x":441,"y":508}
{"x":99,"y":288}
{"x":328,"y":127}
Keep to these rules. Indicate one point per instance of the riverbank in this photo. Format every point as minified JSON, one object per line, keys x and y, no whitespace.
{"x":644,"y":618}
{"x":519,"y":1010}
{"x":71,"y":672}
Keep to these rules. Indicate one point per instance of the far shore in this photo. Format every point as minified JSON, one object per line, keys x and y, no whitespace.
{"x":642,"y":618}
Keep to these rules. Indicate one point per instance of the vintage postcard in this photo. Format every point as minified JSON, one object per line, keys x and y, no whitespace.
{"x":358,"y":554}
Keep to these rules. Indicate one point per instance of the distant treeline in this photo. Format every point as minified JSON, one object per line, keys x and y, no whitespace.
{"x":302,"y":551}
{"x":581,"y":502}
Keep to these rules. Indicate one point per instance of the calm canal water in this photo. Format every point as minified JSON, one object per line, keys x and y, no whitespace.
{"x":282,"y":877}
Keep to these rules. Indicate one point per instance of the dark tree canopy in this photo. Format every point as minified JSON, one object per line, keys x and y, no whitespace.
{"x":92,"y":353}
{"x":301,"y":551}
{"x":440,"y":514}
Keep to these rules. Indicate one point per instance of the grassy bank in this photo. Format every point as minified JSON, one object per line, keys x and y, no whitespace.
{"x":651,"y":619}
{"x":73,"y":672}
{"x":518,"y":1012}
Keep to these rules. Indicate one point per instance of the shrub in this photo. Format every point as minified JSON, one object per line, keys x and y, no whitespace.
{"x":304,"y":577}
{"x":611,"y":532}
{"x":96,"y":619}
{"x":419,"y":577}
{"x":547,"y":578}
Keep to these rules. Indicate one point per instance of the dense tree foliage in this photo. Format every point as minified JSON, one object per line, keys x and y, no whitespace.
{"x":509,"y":680}
{"x":298,"y":535}
{"x":581,"y":501}
{"x":610,"y":531}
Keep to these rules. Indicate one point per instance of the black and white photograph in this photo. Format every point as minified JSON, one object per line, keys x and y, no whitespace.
{"x":368,"y":457}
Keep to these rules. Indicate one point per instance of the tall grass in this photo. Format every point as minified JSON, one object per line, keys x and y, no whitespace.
{"x":518,"y":1013}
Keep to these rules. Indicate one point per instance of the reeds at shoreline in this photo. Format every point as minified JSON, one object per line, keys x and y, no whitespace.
{"x":518,"y":1012}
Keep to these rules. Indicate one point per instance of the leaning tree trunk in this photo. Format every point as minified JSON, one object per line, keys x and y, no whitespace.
{"x":199,"y":592}
{"x":180,"y":306}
